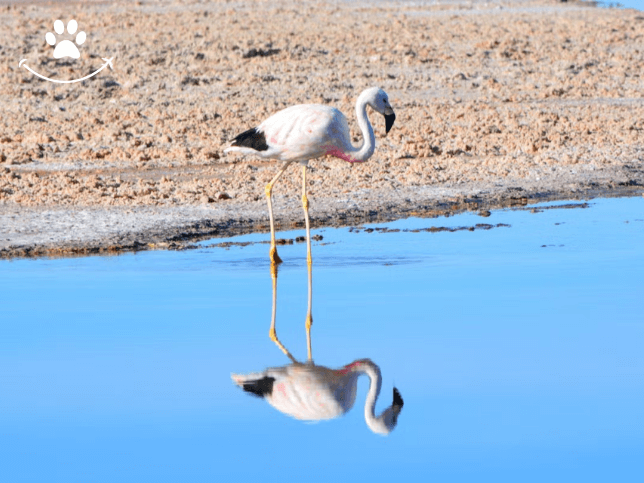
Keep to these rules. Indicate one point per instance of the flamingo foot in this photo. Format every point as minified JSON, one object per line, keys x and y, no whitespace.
{"x":272,"y":254}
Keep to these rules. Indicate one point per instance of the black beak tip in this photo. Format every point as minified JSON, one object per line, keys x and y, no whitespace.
{"x":398,"y":400}
{"x":389,"y":121}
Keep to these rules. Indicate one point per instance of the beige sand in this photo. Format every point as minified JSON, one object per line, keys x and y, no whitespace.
{"x":494,"y":101}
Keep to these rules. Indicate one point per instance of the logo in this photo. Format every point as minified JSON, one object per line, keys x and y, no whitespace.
{"x":66,"y":48}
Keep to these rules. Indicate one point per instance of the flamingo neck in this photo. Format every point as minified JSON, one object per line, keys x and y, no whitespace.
{"x":368,"y":146}
{"x":367,"y":367}
{"x":368,"y":138}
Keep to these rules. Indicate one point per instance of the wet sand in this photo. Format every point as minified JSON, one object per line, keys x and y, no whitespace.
{"x":497,"y":103}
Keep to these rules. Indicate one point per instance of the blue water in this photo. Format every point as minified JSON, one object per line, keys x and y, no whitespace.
{"x":517,"y":350}
{"x":636,"y":4}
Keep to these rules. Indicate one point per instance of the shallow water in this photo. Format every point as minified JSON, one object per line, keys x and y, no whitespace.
{"x":517,"y":350}
{"x":636,"y":4}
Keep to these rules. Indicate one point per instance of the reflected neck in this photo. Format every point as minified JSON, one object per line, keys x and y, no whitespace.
{"x":366,"y":366}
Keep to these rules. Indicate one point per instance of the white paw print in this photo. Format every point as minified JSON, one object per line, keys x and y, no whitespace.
{"x":66,"y":48}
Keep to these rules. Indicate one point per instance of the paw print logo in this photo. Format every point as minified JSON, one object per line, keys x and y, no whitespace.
{"x":66,"y":48}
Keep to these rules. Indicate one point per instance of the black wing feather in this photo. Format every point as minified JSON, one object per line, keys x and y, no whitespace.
{"x":252,"y":138}
{"x":260,"y":387}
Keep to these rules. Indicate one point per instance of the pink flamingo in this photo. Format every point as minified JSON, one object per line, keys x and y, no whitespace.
{"x":308,"y":131}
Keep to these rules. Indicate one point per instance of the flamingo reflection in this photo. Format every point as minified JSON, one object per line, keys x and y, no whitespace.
{"x":312,"y":392}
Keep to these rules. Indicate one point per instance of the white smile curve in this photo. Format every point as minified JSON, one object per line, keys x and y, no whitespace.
{"x":107,"y":62}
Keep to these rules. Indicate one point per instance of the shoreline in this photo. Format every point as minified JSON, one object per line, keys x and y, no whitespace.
{"x":183,"y":229}
{"x":497,"y":102}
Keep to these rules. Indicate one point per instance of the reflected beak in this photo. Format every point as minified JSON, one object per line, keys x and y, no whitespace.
{"x":389,"y":121}
{"x":398,"y":400}
{"x":397,"y":405}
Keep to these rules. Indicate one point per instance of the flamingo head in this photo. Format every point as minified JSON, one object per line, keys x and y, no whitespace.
{"x":387,"y":421}
{"x":379,"y":100}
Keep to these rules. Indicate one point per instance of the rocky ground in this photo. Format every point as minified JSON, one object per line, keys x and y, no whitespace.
{"x":497,"y":102}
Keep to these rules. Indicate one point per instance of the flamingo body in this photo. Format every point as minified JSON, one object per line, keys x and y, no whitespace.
{"x":308,"y":131}
{"x":313,"y":393}
{"x":304,"y":391}
{"x":297,"y":133}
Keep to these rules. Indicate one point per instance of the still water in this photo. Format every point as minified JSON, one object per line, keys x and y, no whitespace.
{"x":517,"y":350}
{"x":636,"y":4}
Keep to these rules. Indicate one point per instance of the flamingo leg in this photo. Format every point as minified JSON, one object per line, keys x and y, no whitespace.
{"x":272,"y":333}
{"x":269,"y":190}
{"x":309,"y":262}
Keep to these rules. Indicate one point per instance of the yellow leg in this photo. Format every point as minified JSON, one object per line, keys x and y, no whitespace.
{"x":269,"y":190}
{"x":309,"y":263}
{"x":272,"y":333}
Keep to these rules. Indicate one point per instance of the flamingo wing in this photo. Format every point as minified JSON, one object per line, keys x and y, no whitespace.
{"x":304,"y":132}
{"x":310,"y":393}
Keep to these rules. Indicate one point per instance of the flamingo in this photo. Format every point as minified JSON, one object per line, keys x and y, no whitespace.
{"x":313,"y":393}
{"x":308,"y":131}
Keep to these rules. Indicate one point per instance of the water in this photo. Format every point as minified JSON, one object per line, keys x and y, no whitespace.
{"x":517,"y":350}
{"x":636,"y":4}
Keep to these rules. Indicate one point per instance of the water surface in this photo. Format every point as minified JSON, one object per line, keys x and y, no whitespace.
{"x":517,"y":349}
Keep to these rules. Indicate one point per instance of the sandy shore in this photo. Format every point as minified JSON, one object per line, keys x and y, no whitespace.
{"x":497,"y":103}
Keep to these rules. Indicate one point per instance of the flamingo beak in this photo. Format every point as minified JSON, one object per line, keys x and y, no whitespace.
{"x":397,"y":405}
{"x":389,"y":121}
